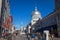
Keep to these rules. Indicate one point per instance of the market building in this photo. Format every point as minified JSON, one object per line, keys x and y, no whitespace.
{"x":51,"y":22}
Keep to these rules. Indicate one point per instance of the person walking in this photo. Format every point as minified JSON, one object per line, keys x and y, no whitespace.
{"x":4,"y":34}
{"x":27,"y":34}
{"x":39,"y":36}
{"x":14,"y":37}
{"x":44,"y":36}
{"x":33,"y":36}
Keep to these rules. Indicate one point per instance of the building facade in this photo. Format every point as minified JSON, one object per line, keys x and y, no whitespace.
{"x":57,"y":4}
{"x":0,"y":7}
{"x":35,"y":16}
{"x":5,"y":17}
{"x":0,"y":16}
{"x":51,"y":22}
{"x":12,"y":30}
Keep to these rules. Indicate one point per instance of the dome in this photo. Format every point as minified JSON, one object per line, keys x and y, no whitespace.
{"x":36,"y":12}
{"x":36,"y":15}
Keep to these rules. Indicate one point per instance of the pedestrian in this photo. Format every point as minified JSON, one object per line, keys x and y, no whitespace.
{"x":4,"y":34}
{"x":39,"y":36}
{"x":44,"y":36}
{"x":28,"y":36}
{"x":33,"y":36}
{"x":14,"y":36}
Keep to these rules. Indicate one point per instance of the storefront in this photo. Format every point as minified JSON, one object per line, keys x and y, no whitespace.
{"x":52,"y":30}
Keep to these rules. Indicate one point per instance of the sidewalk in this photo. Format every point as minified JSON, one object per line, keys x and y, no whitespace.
{"x":2,"y":39}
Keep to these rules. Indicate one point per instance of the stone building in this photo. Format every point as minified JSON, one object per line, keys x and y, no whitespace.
{"x":57,"y":4}
{"x":5,"y":17}
{"x":51,"y":22}
{"x":0,"y":16}
{"x":35,"y":16}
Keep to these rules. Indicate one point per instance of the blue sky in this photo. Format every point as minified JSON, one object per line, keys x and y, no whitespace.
{"x":21,"y":10}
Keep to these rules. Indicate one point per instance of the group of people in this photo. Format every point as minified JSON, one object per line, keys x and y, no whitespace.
{"x":7,"y":36}
{"x":39,"y":36}
{"x":36,"y":36}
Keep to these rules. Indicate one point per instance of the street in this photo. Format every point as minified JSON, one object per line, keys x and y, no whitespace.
{"x":29,"y":20}
{"x":20,"y":37}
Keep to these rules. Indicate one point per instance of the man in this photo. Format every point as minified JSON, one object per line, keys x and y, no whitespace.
{"x":33,"y":36}
{"x":39,"y":36}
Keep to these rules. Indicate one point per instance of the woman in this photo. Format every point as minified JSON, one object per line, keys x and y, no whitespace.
{"x":4,"y":34}
{"x":39,"y":36}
